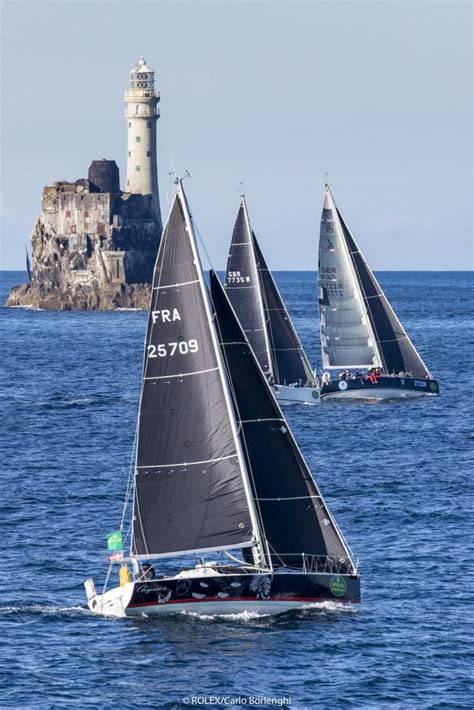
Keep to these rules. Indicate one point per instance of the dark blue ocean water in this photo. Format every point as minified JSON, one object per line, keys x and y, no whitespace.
{"x":396,"y":476}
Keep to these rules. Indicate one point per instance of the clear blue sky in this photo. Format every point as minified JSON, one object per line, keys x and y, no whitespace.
{"x":378,"y":94}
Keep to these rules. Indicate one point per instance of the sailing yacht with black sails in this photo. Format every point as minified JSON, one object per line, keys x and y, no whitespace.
{"x":361,"y":337}
{"x":217,"y":470}
{"x":259,"y":306}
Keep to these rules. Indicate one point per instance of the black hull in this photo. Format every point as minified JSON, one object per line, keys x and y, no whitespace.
{"x":384,"y":388}
{"x":242,"y":592}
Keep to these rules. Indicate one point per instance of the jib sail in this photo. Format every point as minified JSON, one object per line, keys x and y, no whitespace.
{"x":289,"y":360}
{"x":396,"y":350}
{"x":296,"y":522}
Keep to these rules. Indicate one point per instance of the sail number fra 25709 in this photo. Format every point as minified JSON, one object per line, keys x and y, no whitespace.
{"x":183,"y":348}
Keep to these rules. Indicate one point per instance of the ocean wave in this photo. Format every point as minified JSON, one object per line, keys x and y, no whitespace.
{"x":67,"y":402}
{"x":42,"y":609}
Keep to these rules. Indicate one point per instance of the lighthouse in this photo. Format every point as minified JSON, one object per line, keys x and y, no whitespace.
{"x":142,"y":115}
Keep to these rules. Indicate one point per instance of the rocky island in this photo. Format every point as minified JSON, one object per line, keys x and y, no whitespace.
{"x":93,"y":245}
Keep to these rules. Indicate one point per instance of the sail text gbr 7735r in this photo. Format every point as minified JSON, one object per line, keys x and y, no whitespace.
{"x":217,"y":470}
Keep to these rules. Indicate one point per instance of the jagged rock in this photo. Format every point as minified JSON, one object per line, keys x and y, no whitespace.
{"x":84,"y":298}
{"x":91,"y":250}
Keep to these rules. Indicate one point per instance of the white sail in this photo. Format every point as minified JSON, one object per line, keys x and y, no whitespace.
{"x":347,"y":339}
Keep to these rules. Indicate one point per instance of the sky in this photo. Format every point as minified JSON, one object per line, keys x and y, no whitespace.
{"x":376,"y":94}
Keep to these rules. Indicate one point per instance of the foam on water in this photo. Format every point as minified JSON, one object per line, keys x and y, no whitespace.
{"x":241,"y":616}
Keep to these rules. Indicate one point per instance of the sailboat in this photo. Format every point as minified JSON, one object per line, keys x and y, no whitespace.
{"x":259,"y":306}
{"x":217,"y":470}
{"x":361,"y":337}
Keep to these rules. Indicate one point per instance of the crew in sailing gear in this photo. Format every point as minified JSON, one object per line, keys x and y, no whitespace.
{"x":147,"y":572}
{"x":124,"y":575}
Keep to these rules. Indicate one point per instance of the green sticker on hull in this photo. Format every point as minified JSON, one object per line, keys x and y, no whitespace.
{"x":338,"y":586}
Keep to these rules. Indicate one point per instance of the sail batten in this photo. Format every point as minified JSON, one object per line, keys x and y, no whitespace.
{"x":189,"y":488}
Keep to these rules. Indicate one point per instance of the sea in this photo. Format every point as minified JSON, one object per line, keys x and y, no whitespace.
{"x":397,"y":477}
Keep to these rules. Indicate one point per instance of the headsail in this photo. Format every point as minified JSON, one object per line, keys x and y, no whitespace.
{"x":295,"y":518}
{"x":243,"y":288}
{"x":289,"y":360}
{"x":347,"y":339}
{"x":190,"y":494}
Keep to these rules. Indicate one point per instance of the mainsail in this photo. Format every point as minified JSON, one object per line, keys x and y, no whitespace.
{"x":346,"y":334}
{"x":243,"y":288}
{"x":289,"y":360}
{"x":295,"y":519}
{"x":191,"y":493}
{"x":358,"y":325}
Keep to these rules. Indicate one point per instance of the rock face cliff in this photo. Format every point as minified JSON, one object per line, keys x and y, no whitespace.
{"x":93,"y":246}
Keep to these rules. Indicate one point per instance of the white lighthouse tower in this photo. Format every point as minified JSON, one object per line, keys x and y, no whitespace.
{"x":142,"y":115}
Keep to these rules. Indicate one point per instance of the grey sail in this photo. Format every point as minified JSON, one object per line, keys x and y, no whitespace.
{"x":289,"y":360}
{"x":189,"y":492}
{"x":347,"y":339}
{"x":243,"y":288}
{"x":294,"y":516}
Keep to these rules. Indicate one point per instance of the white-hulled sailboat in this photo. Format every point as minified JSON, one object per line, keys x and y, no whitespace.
{"x":217,"y":470}
{"x":361,"y":337}
{"x":254,"y":295}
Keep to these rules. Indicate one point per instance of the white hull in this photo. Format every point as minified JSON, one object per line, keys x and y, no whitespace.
{"x":375,"y":394}
{"x":296,"y":395}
